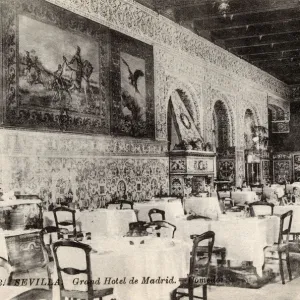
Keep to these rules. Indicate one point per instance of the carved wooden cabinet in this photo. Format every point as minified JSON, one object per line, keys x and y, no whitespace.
{"x":191,"y":168}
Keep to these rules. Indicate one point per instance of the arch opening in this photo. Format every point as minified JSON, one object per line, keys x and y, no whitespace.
{"x":221,"y":126}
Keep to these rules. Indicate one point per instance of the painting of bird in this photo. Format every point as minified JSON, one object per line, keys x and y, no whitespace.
{"x":134,"y":76}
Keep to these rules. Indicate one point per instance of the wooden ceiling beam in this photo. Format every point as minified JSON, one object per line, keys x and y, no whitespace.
{"x":234,"y":22}
{"x":258,"y":30}
{"x":177,"y":4}
{"x":271,"y":55}
{"x":278,"y":63}
{"x":262,"y":40}
{"x":237,"y":8}
{"x":290,"y":46}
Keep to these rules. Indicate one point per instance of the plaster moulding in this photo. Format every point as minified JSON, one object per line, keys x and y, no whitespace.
{"x":139,"y":22}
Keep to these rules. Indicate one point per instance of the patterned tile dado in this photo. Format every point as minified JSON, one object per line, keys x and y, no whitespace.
{"x":140,"y":22}
{"x":87,"y":179}
{"x":240,"y":167}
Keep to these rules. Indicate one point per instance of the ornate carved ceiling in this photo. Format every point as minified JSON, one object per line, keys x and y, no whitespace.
{"x":265,"y":33}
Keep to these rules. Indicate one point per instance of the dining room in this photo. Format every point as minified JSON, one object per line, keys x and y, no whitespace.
{"x":150,"y":150}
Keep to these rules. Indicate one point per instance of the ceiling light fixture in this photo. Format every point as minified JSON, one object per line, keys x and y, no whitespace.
{"x":223,"y":7}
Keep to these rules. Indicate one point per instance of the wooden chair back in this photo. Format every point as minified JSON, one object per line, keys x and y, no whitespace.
{"x":71,"y":270}
{"x":258,"y":188}
{"x":126,"y":205}
{"x":221,"y":192}
{"x":139,"y":225}
{"x":259,"y":204}
{"x":285,"y":226}
{"x":198,"y":241}
{"x":153,"y":211}
{"x":157,"y":225}
{"x":48,"y":230}
{"x":66,"y":222}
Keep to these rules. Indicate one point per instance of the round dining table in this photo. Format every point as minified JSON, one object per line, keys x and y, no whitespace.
{"x":136,"y":267}
{"x":100,"y":222}
{"x":9,"y":292}
{"x":172,"y":209}
{"x":244,"y":238}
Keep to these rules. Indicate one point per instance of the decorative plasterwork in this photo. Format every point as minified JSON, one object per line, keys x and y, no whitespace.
{"x":31,"y":143}
{"x":136,"y":20}
{"x":283,"y":104}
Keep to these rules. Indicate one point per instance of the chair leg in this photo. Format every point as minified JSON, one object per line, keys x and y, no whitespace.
{"x":288,"y":264}
{"x":173,"y":294}
{"x":191,"y":293}
{"x":281,"y":267}
{"x":204,"y":290}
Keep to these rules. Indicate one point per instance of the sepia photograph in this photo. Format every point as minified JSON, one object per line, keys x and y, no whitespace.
{"x":150,"y":149}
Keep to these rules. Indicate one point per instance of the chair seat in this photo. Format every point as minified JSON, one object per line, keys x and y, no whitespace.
{"x":82,"y":295}
{"x":197,"y":281}
{"x":215,"y":250}
{"x":278,"y":248}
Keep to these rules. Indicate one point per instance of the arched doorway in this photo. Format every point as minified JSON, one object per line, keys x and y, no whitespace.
{"x":221,"y":126}
{"x":221,"y":129}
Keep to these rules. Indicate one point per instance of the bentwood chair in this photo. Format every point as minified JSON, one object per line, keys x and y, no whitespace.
{"x":199,"y":269}
{"x":257,"y":188}
{"x":83,"y":256}
{"x":224,"y":195}
{"x":126,"y":205}
{"x":8,"y":269}
{"x":154,"y":211}
{"x":34,"y":294}
{"x":160,"y":227}
{"x":282,"y":246}
{"x":216,"y":252}
{"x":139,"y":225}
{"x":65,"y":217}
{"x":138,"y":228}
{"x":46,"y":246}
{"x":261,"y":208}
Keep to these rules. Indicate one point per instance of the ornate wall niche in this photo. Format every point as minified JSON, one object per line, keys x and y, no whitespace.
{"x":212,"y":97}
{"x":249,"y":122}
{"x":222,"y":129}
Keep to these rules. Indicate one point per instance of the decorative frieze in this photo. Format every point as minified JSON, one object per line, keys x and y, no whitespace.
{"x":138,"y":21}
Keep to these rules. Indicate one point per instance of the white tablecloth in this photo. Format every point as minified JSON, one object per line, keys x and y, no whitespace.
{"x":279,"y":210}
{"x":116,"y":258}
{"x":9,"y":292}
{"x":204,"y":206}
{"x":243,"y":238}
{"x":167,"y":199}
{"x":172,"y":209}
{"x":269,"y":190}
{"x":240,"y":197}
{"x":100,"y":222}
